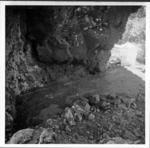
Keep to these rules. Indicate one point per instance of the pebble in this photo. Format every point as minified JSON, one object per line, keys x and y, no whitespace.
{"x":93,"y":109}
{"x":78,"y":116}
{"x":72,"y":122}
{"x":69,"y":116}
{"x":95,"y":99}
{"x":91,"y":137}
{"x":87,"y":107}
{"x":67,"y":128}
{"x":47,"y":136}
{"x":96,"y":96}
{"x":98,"y":110}
{"x":52,"y":123}
{"x":68,"y":113}
{"x":91,"y":117}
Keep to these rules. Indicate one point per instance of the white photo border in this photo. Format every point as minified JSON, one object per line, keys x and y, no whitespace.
{"x":3,"y":5}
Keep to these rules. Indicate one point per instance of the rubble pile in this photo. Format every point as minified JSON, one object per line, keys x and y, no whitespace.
{"x":91,"y":119}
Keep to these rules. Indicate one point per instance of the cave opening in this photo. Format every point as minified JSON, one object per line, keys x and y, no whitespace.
{"x":75,"y":66}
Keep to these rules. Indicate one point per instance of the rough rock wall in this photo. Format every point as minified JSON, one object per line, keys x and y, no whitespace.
{"x":22,"y":73}
{"x":44,"y":43}
{"x":84,"y":34}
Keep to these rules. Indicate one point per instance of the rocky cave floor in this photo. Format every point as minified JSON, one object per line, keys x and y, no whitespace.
{"x":92,"y":118}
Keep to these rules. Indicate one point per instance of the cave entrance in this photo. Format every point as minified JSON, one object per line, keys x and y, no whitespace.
{"x":78,"y":66}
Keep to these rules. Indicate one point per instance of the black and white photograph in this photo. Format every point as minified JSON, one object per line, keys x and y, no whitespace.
{"x":75,"y":74}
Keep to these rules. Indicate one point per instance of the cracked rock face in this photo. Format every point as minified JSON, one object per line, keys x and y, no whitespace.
{"x":48,"y":43}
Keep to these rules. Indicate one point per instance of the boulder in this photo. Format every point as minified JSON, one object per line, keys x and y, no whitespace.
{"x":22,"y":137}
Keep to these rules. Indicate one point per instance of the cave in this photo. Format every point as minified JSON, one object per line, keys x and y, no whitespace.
{"x":72,"y":68}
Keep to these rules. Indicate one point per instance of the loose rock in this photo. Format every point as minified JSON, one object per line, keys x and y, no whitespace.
{"x":47,"y":136}
{"x":69,"y":116}
{"x":22,"y":136}
{"x":91,"y":117}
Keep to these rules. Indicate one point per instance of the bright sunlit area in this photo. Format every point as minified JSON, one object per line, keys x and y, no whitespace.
{"x":129,"y":52}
